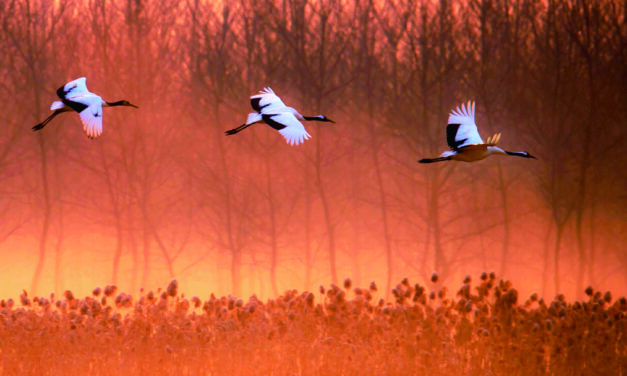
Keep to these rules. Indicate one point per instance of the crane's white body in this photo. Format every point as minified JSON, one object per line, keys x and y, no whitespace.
{"x":277,"y":114}
{"x":91,"y":116}
{"x":473,"y":153}
{"x":465,"y":142}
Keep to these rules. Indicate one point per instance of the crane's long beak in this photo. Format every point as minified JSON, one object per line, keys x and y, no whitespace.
{"x":331,"y":121}
{"x":132,"y":105}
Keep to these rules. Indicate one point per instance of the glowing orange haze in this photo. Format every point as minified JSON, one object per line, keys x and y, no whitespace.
{"x":167,"y":195}
{"x":85,"y":268}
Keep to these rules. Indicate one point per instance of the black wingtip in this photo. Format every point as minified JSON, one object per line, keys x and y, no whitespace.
{"x":37,"y":127}
{"x":230,"y":132}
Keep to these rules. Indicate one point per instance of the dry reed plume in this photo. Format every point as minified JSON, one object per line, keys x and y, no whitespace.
{"x":483,"y":329}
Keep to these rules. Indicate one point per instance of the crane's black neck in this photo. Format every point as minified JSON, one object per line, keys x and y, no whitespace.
{"x":314,"y":118}
{"x":522,"y":154}
{"x":117,"y":103}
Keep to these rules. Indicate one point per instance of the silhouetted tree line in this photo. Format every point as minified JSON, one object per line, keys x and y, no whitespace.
{"x":175,"y":195}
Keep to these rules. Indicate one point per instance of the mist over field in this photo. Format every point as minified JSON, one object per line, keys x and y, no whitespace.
{"x":163,"y":194}
{"x":165,"y":246}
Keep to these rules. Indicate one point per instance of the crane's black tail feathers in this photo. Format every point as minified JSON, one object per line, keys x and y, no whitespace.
{"x":432,"y":160}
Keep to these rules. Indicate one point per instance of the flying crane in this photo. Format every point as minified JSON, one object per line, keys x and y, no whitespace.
{"x":270,"y":109}
{"x":464,"y":140}
{"x":75,"y":97}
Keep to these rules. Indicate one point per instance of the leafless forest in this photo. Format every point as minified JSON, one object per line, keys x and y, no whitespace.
{"x":165,"y":194}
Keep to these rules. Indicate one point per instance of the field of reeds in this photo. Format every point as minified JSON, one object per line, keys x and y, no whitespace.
{"x":484,"y":328}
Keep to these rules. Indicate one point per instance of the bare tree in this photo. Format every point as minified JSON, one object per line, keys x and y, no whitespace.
{"x":496,"y":48}
{"x":586,"y":23}
{"x":213,"y":77}
{"x":10,"y":141}
{"x":431,"y":65}
{"x":367,"y":90}
{"x":316,"y":61}
{"x":30,"y":27}
{"x":549,"y":126}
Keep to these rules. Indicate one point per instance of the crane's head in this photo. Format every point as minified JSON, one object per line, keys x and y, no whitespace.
{"x":324,"y":118}
{"x":127,"y":103}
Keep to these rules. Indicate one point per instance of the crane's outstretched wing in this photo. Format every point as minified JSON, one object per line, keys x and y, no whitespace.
{"x":266,"y":101}
{"x":461,"y":129}
{"x":91,"y":116}
{"x":73,"y":89}
{"x":289,"y":126}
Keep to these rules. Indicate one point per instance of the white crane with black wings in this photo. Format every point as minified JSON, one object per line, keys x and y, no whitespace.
{"x":270,"y":109}
{"x":464,"y":140}
{"x":75,"y":97}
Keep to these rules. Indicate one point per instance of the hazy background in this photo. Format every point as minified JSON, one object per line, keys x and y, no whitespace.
{"x":165,"y":194}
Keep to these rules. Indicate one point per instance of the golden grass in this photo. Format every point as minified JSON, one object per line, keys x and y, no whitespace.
{"x":482,"y":330}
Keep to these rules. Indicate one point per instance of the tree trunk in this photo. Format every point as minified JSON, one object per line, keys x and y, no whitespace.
{"x":236,"y":275}
{"x":233,"y":247}
{"x":327,"y":212}
{"x":273,"y":229}
{"x":117,"y":217}
{"x":45,"y":227}
{"x":47,"y":204}
{"x":582,"y":256}
{"x":58,"y":254}
{"x":132,"y":240}
{"x":146,"y":250}
{"x":356,"y":223}
{"x":118,"y":249}
{"x":556,"y":257}
{"x":433,"y":203}
{"x":547,"y":259}
{"x":506,"y":220}
{"x":592,"y":250}
{"x":164,"y":251}
{"x":308,"y":260}
{"x":384,"y":213}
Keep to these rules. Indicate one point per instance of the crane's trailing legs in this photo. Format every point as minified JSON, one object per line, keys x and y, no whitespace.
{"x":431,"y":160}
{"x":235,"y":130}
{"x":49,"y":118}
